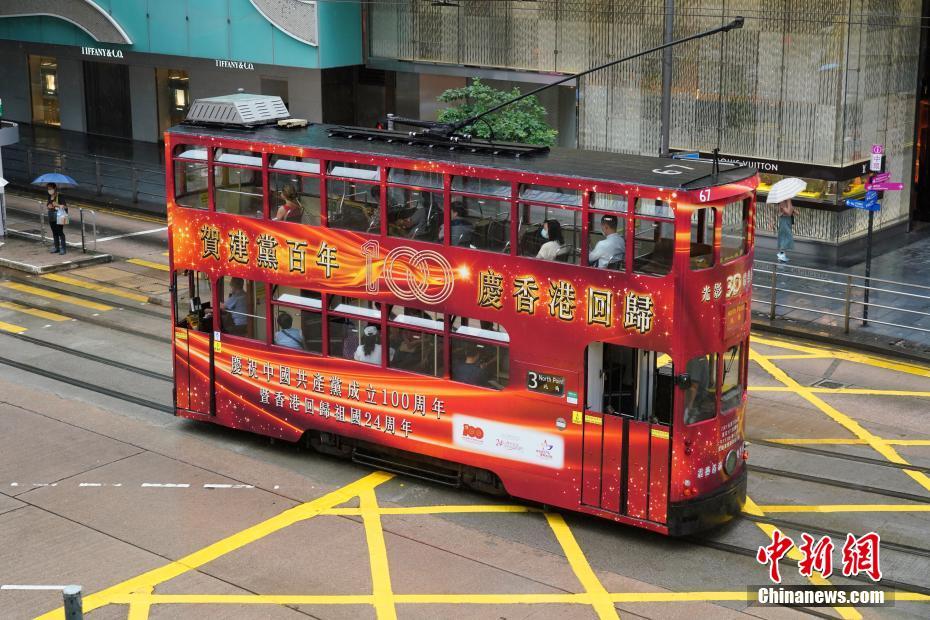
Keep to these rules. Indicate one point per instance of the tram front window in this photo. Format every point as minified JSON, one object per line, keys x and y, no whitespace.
{"x":701,"y":394}
{"x":731,"y":387}
{"x":192,"y":299}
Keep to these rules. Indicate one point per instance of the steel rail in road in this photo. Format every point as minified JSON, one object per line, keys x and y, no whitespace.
{"x":838,"y":455}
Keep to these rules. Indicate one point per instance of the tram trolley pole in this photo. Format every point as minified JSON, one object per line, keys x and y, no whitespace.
{"x":74,"y":607}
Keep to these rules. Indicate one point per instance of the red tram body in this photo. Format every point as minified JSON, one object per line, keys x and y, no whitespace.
{"x":616,"y":390}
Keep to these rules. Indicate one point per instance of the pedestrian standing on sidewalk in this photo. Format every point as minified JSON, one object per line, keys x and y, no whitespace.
{"x":783,"y":223}
{"x":57,"y":218}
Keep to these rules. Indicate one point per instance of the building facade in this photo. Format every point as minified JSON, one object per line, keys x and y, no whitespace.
{"x":803,"y":89}
{"x":130,"y":69}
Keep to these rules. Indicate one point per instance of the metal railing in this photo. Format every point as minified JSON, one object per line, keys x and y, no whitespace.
{"x":839,"y":299}
{"x":97,"y":176}
{"x":92,"y":239}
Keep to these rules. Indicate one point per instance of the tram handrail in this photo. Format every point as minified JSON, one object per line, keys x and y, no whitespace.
{"x":854,"y":291}
{"x":93,"y":215}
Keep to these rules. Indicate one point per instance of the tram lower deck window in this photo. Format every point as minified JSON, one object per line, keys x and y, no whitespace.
{"x":731,"y":386}
{"x":701,"y":394}
{"x":242,"y":307}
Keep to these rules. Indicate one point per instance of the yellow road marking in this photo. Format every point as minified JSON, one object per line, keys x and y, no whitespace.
{"x":149,"y":264}
{"x":42,"y":314}
{"x":25,"y":288}
{"x":816,"y":578}
{"x":377,"y":556}
{"x":850,"y":356}
{"x":851,"y":442}
{"x":96,"y":287}
{"x":842,"y":419}
{"x":220,"y":548}
{"x":849,"y":508}
{"x":799,"y":356}
{"x":596,"y":593}
{"x":848,"y":391}
{"x":9,"y":327}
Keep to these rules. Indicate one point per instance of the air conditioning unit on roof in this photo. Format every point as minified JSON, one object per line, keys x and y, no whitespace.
{"x":238,"y":110}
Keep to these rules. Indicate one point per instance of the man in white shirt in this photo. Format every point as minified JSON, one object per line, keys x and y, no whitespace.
{"x":609,"y":249}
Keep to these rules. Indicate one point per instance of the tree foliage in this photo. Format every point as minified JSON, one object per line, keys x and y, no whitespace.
{"x":523,"y":121}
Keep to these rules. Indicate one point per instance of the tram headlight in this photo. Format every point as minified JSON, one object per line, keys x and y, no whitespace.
{"x":729,"y":465}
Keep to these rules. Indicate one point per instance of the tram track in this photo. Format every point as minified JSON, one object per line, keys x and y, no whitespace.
{"x":837,"y":455}
{"x":851,"y":486}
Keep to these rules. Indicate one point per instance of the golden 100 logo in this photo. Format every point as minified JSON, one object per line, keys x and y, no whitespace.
{"x":422,"y":275}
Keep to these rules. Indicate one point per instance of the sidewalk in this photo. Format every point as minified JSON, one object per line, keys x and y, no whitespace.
{"x":907,"y":266}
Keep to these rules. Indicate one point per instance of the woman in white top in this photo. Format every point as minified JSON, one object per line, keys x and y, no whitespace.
{"x":370,"y":349}
{"x":552,"y":231}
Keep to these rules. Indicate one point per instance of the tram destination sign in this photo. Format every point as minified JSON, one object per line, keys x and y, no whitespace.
{"x":545,"y":383}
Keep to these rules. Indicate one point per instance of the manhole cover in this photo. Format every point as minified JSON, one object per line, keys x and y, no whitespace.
{"x":829,"y":384}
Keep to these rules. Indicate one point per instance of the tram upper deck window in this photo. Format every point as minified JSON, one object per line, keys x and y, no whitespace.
{"x":701,"y":394}
{"x":191,"y":177}
{"x":414,"y":205}
{"x":609,"y":202}
{"x":480,"y":214}
{"x":702,"y":238}
{"x":295,"y":187}
{"x":731,"y":386}
{"x":237,"y":180}
{"x":734,"y":234}
{"x":353,"y":197}
{"x":653,"y":245}
{"x":550,"y":231}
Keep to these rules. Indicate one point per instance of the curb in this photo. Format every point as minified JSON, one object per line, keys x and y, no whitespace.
{"x":907,"y":350}
{"x":83,"y":260}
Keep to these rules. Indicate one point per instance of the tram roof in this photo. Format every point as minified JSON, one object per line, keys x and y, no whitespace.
{"x":564,"y":162}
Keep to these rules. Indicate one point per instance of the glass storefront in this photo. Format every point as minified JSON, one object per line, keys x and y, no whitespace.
{"x":173,"y":88}
{"x":43,"y":77}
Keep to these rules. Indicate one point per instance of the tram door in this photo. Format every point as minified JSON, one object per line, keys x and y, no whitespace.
{"x":193,"y":335}
{"x":626,"y":430}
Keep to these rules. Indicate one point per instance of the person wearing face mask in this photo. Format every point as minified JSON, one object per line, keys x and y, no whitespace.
{"x":552,"y":232}
{"x":54,"y":202}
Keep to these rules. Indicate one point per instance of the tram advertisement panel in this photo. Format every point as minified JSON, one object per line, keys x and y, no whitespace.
{"x":592,"y":304}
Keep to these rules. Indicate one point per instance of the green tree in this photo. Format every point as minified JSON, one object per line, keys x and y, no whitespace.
{"x":523,"y":121}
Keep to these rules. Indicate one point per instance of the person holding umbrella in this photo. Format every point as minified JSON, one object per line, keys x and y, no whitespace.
{"x":56,"y":208}
{"x":780,"y":195}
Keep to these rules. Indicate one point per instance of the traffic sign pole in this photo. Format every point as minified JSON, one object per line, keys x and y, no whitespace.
{"x":868,"y":270}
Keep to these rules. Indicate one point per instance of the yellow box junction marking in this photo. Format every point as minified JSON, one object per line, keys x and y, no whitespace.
{"x":849,"y":356}
{"x":849,"y":442}
{"x":109,"y":290}
{"x":597,"y":595}
{"x":9,"y":327}
{"x":875,"y":442}
{"x":377,"y":556}
{"x":68,"y":299}
{"x":42,"y":314}
{"x":149,"y":264}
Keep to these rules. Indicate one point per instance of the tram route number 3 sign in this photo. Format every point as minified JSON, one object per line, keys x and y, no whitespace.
{"x":545,"y":383}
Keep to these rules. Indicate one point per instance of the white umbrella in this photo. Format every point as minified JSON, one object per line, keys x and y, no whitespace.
{"x":785,"y":189}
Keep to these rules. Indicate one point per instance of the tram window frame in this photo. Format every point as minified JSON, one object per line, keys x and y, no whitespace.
{"x":425,"y":223}
{"x":341,"y":315}
{"x":602,"y":201}
{"x":701,"y":253}
{"x":364,"y":177}
{"x":307,"y":309}
{"x":728,"y":230}
{"x":256,"y":327}
{"x":487,"y":231}
{"x":645,"y":379}
{"x":708,"y":405}
{"x":425,"y":325}
{"x":492,"y":344}
{"x":197,"y":313}
{"x":596,"y":235}
{"x":188,"y":159}
{"x":530,"y":237}
{"x":736,"y":390}
{"x":654,"y":268}
{"x":227,"y":161}
{"x":304,"y":174}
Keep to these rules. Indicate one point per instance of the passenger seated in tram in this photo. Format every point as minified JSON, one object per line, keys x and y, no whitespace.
{"x":554,"y":247}
{"x":700,"y":396}
{"x":291,"y":210}
{"x":235,"y":309}
{"x":411,"y":352}
{"x":611,"y":248}
{"x":460,"y":228}
{"x":369,"y":351}
{"x":470,"y":370}
{"x":287,"y":335}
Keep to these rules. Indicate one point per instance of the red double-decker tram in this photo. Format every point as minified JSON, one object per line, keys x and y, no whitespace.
{"x":568,"y":327}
